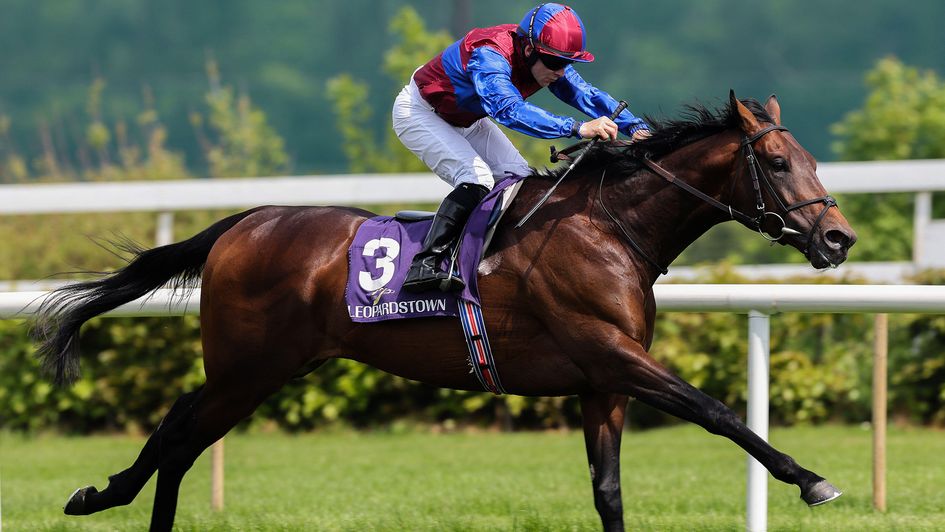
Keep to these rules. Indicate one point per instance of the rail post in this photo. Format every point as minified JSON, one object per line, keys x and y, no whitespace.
{"x":164,"y":232}
{"x":880,"y":351}
{"x":759,"y":341}
{"x":216,"y":475}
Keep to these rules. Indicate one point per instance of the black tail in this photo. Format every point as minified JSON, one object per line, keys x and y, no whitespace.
{"x":62,"y":313}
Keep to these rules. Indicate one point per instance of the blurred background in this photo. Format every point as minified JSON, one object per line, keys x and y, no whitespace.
{"x":142,"y":89}
{"x":67,"y":65}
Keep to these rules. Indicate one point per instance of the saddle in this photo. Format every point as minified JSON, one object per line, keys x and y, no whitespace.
{"x":382,"y":249}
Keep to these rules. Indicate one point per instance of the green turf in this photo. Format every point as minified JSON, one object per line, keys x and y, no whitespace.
{"x":674,"y":479}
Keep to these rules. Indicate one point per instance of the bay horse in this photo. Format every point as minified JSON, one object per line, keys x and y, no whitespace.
{"x":568,"y":298}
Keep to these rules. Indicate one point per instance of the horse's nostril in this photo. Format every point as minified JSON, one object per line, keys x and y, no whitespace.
{"x":837,"y":239}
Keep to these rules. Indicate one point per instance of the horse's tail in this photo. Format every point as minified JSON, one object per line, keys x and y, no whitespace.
{"x":62,"y":313}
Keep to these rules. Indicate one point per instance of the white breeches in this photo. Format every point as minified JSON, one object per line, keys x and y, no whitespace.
{"x":473,"y":154}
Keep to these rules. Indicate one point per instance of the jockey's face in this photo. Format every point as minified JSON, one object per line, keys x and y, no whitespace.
{"x":542,"y":74}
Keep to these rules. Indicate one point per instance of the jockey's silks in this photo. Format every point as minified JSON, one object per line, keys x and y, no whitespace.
{"x":485,"y":74}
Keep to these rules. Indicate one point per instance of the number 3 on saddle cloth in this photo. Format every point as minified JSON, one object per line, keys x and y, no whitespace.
{"x":380,"y":256}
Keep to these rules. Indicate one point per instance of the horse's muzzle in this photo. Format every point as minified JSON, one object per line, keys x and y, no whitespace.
{"x":830,"y":248}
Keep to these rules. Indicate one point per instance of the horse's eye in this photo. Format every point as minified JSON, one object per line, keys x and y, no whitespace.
{"x":779,"y":164}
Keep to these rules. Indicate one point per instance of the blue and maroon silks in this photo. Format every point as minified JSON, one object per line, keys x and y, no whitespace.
{"x":380,"y":256}
{"x":486,"y":74}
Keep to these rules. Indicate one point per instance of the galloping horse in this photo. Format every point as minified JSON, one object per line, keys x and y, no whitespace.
{"x":568,"y":297}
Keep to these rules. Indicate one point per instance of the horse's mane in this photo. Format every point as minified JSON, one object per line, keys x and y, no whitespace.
{"x":668,"y":135}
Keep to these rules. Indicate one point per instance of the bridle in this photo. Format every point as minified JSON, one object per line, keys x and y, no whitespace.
{"x":762,"y":215}
{"x":758,"y":174}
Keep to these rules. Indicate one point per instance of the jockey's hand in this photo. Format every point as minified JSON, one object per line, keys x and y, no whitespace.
{"x":602,"y":127}
{"x":640,"y":134}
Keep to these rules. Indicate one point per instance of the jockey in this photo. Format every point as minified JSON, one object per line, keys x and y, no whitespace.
{"x":441,"y":116}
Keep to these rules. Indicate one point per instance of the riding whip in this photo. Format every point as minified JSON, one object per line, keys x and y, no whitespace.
{"x":620,"y":107}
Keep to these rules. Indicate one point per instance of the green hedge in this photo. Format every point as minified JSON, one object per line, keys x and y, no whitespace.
{"x":821,"y":367}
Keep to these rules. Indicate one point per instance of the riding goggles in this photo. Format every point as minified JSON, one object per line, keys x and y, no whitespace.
{"x":554,"y":62}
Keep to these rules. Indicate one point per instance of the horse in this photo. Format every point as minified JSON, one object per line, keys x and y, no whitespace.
{"x":568,"y":297}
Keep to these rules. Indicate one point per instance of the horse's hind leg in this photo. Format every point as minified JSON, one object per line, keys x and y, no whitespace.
{"x":123,"y":487}
{"x":603,"y":424}
{"x":223,"y":403}
{"x":634,"y":372}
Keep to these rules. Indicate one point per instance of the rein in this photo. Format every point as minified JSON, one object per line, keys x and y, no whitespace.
{"x":753,"y":222}
{"x":626,"y":234}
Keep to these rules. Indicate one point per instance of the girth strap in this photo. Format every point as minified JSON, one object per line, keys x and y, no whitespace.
{"x":480,"y":352}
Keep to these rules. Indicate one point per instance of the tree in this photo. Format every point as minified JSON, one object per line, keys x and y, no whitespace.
{"x":245,"y":145}
{"x":414,"y":46}
{"x":903,"y":117}
{"x":13,"y":168}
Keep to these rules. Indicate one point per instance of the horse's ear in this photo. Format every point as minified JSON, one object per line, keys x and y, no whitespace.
{"x":749,"y":123}
{"x":774,"y":109}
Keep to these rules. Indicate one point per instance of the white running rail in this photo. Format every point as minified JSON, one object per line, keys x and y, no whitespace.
{"x":759,"y":301}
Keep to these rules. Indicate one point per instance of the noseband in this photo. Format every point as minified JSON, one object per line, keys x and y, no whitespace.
{"x":762,"y":214}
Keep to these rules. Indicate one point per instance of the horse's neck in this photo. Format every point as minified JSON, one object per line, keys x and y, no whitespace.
{"x":665,"y":218}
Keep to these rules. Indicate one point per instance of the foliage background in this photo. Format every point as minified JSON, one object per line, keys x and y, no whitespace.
{"x":133,"y":369}
{"x":656,"y":55}
{"x":119,"y":93}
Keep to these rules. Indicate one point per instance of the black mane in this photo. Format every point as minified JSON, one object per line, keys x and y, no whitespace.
{"x":697,"y":122}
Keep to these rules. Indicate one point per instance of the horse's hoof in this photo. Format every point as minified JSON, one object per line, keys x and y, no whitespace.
{"x":820,"y":493}
{"x":76,"y":503}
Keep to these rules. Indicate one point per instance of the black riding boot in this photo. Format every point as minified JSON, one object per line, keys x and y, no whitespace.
{"x":450,"y":219}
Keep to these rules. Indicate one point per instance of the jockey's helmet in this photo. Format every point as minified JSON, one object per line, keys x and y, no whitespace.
{"x":556,"y":29}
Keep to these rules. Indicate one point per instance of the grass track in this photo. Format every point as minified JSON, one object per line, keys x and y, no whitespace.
{"x":674,"y":479}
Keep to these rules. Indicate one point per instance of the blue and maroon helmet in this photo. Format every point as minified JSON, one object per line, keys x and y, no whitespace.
{"x":555,"y":29}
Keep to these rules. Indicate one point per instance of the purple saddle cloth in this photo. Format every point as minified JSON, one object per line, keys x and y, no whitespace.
{"x":383,"y":249}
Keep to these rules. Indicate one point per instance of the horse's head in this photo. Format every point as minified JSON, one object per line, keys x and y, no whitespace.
{"x":785,"y":191}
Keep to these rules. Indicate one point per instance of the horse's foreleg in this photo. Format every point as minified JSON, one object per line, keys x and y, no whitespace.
{"x":123,"y":487}
{"x":603,"y":423}
{"x":632,"y":371}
